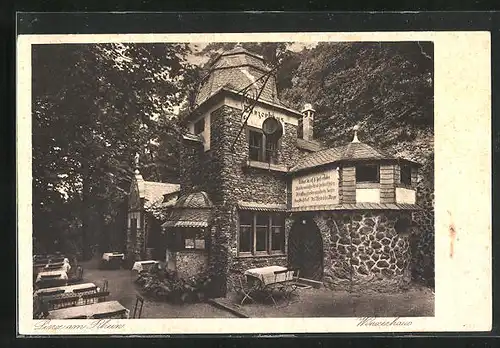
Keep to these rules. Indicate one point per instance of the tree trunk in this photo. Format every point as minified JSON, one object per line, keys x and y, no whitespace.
{"x":86,"y":215}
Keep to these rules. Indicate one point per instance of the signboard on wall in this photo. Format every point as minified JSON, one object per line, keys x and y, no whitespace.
{"x":317,"y":189}
{"x":259,"y":115}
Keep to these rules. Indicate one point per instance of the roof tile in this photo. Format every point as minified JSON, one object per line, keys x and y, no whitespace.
{"x":352,"y":151}
{"x":153,"y":192}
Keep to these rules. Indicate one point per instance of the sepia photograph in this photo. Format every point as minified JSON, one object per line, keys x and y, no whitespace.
{"x":288,"y":179}
{"x":256,"y":179}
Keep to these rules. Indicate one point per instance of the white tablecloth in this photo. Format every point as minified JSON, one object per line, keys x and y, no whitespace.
{"x":68,"y":288}
{"x":266,"y":274}
{"x":87,"y":310}
{"x":107,"y":256}
{"x":61,"y":274}
{"x":141,"y":265}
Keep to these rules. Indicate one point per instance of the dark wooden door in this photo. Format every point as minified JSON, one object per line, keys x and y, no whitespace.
{"x":305,"y":249}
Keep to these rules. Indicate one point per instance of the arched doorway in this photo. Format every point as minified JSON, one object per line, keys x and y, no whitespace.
{"x":305,"y":248}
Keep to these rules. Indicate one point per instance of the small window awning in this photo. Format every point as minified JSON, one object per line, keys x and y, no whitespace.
{"x":192,"y":210}
{"x":261,"y":206}
{"x":188,"y":218}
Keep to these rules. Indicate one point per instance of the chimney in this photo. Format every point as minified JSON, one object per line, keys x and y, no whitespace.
{"x":307,"y":122}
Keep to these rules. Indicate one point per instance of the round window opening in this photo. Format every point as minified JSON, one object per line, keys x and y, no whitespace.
{"x":403,"y":226}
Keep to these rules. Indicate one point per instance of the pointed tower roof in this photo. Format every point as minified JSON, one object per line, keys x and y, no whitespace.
{"x":236,"y":69}
{"x":354,"y":151}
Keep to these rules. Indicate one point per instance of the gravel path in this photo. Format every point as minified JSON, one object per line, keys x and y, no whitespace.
{"x":327,"y":303}
{"x":309,"y":303}
{"x":123,"y":289}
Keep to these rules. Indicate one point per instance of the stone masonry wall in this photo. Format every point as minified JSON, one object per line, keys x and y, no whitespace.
{"x":231,"y":182}
{"x":191,"y":172}
{"x":364,"y":251}
{"x":239,"y":182}
{"x":190,"y":263}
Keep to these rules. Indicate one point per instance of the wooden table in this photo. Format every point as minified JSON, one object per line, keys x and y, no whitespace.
{"x":89,"y":310}
{"x":67,"y":289}
{"x":265,"y":281}
{"x":108,"y":256}
{"x":140,"y":266}
{"x":59,"y":278}
{"x":266,"y":274}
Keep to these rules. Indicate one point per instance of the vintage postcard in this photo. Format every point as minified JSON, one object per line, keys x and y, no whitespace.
{"x":254,"y":183}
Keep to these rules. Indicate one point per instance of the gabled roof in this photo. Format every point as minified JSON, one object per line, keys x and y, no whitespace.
{"x":354,"y":151}
{"x":153,"y":192}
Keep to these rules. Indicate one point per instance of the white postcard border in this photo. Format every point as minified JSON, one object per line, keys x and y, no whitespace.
{"x":463,"y":287}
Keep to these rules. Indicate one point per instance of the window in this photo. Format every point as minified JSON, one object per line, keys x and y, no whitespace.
{"x":262,"y":149}
{"x":256,"y":140}
{"x":261,"y":233}
{"x":405,"y":175}
{"x":188,"y":239}
{"x":199,"y":126}
{"x":271,"y":151}
{"x":367,"y":173}
{"x":193,"y":238}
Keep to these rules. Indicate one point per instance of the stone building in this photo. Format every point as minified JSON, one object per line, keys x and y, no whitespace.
{"x":148,"y":205}
{"x":342,"y":215}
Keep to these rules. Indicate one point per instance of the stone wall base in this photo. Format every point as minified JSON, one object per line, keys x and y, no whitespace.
{"x":190,"y":263}
{"x":376,"y":283}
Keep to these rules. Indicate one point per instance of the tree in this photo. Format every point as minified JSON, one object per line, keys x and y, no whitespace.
{"x":387,"y":88}
{"x":94,"y":108}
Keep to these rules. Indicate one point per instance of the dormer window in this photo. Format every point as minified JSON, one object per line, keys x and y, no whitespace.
{"x":367,"y":173}
{"x":405,"y":174}
{"x":199,"y":126}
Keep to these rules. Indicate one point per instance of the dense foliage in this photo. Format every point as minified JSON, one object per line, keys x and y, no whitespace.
{"x":386,"y":88}
{"x":94,"y":108}
{"x":166,"y":285}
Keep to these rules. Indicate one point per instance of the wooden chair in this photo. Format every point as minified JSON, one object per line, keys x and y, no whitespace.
{"x":241,"y":286}
{"x":293,"y":286}
{"x":105,"y":285}
{"x":278,"y":285}
{"x":92,"y":297}
{"x":78,"y":276}
{"x":42,"y":308}
{"x":63,"y":302}
{"x":139,"y":303}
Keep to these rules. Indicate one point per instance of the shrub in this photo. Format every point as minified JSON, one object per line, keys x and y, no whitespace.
{"x":166,"y":285}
